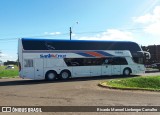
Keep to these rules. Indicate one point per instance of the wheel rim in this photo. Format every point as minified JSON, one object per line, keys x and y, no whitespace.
{"x":51,"y":76}
{"x":126,"y":72}
{"x":65,"y":75}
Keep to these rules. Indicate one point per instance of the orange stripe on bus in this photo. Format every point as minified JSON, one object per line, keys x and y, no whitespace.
{"x":95,"y":54}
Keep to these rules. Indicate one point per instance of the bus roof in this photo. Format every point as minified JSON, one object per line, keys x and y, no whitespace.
{"x":52,"y":44}
{"x":60,"y":40}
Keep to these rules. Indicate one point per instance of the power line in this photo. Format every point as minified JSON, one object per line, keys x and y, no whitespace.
{"x":51,"y":35}
{"x":9,"y":38}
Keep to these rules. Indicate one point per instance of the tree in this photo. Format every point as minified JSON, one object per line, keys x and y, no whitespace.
{"x":0,"y":53}
{"x":10,"y":63}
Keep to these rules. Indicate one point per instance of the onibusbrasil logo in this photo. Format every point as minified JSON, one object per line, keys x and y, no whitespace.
{"x":21,"y":109}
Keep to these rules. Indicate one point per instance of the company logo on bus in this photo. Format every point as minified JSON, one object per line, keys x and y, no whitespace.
{"x":119,"y":52}
{"x":52,"y":56}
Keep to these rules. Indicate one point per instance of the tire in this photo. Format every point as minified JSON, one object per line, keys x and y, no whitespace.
{"x":65,"y":74}
{"x":126,"y":72}
{"x":51,"y":75}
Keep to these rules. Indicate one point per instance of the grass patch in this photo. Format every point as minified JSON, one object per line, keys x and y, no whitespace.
{"x":146,"y":83}
{"x":8,"y":73}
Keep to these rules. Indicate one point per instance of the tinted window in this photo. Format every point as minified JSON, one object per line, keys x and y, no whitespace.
{"x":83,"y":61}
{"x":116,"y":61}
{"x":95,"y":61}
{"x":122,"y":61}
{"x":49,"y":44}
{"x":138,"y":60}
{"x":119,"y":61}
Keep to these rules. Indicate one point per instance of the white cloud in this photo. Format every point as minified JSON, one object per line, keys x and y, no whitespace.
{"x":153,"y":29}
{"x":150,"y":17}
{"x":111,"y":34}
{"x":150,"y":21}
{"x":143,"y":19}
{"x":5,"y":57}
{"x":52,"y":33}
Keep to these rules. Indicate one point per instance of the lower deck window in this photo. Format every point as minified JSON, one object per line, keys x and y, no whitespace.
{"x":95,"y":61}
{"x":138,"y":60}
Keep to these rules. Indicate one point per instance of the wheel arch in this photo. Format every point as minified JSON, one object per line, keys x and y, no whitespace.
{"x":128,"y":69}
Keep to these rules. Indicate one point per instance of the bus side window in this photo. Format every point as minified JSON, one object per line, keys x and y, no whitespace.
{"x":123,"y":61}
{"x":72,"y":61}
{"x":110,"y":61}
{"x":107,"y":61}
{"x":119,"y":61}
{"x":28,"y":62}
{"x":115,"y":61}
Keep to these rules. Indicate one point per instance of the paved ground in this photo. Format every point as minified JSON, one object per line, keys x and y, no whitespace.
{"x":74,"y":92}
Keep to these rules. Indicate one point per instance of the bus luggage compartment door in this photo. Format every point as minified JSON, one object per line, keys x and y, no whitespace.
{"x":39,"y":69}
{"x":106,"y":69}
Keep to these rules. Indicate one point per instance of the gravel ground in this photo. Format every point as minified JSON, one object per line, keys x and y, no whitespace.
{"x":73,"y":92}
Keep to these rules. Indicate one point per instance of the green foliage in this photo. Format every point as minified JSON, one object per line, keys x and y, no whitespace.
{"x":7,"y":73}
{"x":148,"y":83}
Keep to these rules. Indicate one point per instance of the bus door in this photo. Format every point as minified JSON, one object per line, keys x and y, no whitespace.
{"x":28,"y":68}
{"x":81,"y":71}
{"x":117,"y":64}
{"x":95,"y":70}
{"x":106,"y":67}
{"x":116,"y":69}
{"x":39,"y":69}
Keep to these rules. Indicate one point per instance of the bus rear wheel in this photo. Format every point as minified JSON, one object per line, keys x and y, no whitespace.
{"x":51,"y":75}
{"x":126,"y":72}
{"x":65,"y":74}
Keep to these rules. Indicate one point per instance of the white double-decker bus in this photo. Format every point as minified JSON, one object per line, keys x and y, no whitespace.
{"x":51,"y":59}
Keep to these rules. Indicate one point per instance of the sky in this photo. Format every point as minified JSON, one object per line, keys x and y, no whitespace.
{"x":122,"y":20}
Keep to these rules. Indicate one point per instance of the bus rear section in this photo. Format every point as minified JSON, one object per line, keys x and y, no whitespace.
{"x":33,"y":69}
{"x":30,"y":67}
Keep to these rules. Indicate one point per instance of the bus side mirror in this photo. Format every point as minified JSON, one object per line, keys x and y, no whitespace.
{"x":147,"y":55}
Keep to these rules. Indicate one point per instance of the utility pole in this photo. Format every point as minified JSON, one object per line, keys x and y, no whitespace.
{"x":70,"y":33}
{"x":70,"y":30}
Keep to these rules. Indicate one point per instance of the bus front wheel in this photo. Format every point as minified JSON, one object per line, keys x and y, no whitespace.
{"x":51,"y":75}
{"x":126,"y":72}
{"x":65,"y":74}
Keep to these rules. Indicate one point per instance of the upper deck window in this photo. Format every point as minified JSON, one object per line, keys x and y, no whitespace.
{"x":48,"y":44}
